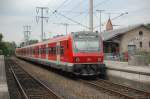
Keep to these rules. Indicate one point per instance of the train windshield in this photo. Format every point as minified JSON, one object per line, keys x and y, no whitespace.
{"x":87,"y":45}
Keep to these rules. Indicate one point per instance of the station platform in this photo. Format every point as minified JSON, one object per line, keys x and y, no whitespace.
{"x":124,"y":66}
{"x":133,"y":76}
{"x":4,"y":94}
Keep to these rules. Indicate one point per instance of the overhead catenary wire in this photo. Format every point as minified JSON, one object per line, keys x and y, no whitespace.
{"x":102,"y":2}
{"x":62,"y":4}
{"x":85,"y":12}
{"x":72,"y":20}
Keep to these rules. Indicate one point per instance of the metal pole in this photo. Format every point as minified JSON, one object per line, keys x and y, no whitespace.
{"x":42,"y":23}
{"x":91,"y":15}
{"x":42,"y":19}
{"x":100,"y":14}
{"x":100,"y":22}
{"x":66,"y":28}
{"x":27,"y":32}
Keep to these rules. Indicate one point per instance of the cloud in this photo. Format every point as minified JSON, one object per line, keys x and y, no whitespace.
{"x":14,"y":14}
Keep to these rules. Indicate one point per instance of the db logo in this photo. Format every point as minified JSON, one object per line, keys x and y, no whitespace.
{"x":88,"y":59}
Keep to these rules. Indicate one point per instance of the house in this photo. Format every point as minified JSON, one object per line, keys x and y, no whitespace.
{"x":131,"y":38}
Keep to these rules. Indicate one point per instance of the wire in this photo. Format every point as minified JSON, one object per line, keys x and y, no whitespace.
{"x":112,"y":19}
{"x":61,"y":4}
{"x":76,"y":6}
{"x":72,"y":20}
{"x":100,"y":3}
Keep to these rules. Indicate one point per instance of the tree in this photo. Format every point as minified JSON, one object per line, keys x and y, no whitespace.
{"x":29,"y":43}
{"x":7,"y":48}
{"x":148,"y":25}
{"x":1,"y":37}
{"x":33,"y":42}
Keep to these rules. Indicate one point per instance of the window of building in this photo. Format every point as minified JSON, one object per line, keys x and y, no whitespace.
{"x":141,"y":33}
{"x":140,"y":44}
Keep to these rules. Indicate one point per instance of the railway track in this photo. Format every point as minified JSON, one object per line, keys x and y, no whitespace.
{"x":118,"y":90}
{"x":30,"y":87}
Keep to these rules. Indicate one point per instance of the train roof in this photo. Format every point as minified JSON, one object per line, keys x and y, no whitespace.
{"x":59,"y":38}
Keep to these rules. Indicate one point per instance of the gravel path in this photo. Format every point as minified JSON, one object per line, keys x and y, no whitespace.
{"x":65,"y":87}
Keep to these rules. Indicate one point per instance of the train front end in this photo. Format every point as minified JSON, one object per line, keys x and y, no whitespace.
{"x":88,"y":56}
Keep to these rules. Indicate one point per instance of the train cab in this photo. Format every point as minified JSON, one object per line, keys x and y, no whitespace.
{"x":87,"y":53}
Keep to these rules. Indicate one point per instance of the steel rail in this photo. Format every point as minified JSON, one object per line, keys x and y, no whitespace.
{"x":126,"y":87}
{"x":14,"y":63}
{"x":106,"y":89}
{"x":148,"y":93}
{"x":23,"y":91}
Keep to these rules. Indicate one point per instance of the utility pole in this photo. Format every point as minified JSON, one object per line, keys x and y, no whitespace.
{"x":27,"y":33}
{"x":100,"y":23}
{"x":91,"y":15}
{"x":42,"y":17}
{"x":66,"y":26}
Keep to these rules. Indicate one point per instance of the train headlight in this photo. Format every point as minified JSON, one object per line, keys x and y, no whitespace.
{"x":77,"y":59}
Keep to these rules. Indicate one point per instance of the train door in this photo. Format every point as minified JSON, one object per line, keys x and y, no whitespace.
{"x":58,"y":52}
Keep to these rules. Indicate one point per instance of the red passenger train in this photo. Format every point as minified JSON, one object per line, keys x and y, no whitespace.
{"x":80,"y":53}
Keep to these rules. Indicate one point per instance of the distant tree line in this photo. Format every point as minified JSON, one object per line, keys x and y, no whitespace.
{"x":28,"y":43}
{"x":6,"y":48}
{"x":148,"y":25}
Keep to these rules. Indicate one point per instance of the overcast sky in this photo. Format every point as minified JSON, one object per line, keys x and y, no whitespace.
{"x":14,"y":14}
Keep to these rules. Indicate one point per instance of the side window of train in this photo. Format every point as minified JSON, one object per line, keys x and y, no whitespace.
{"x":38,"y":51}
{"x":61,"y":50}
{"x":41,"y":51}
{"x":54,"y":50}
{"x":49,"y":50}
{"x":44,"y":50}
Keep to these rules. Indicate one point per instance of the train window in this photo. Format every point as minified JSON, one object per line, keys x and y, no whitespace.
{"x":40,"y":50}
{"x":61,"y":50}
{"x":44,"y":50}
{"x":37,"y":51}
{"x":54,"y":50}
{"x":49,"y":50}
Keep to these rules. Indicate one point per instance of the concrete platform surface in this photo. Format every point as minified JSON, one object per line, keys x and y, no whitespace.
{"x":133,"y":76}
{"x":4,"y":94}
{"x":123,"y":66}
